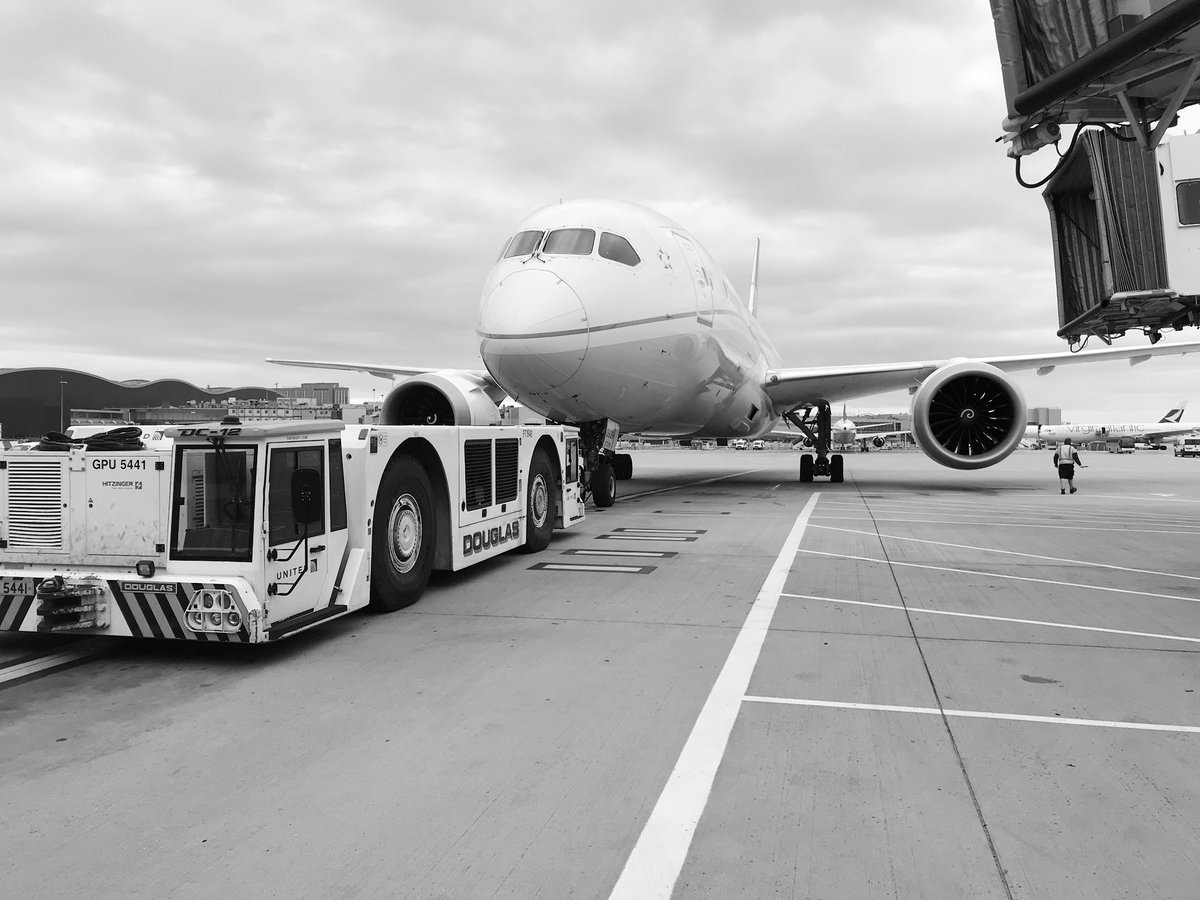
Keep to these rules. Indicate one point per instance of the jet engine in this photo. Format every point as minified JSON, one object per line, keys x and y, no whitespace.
{"x":968,"y":415}
{"x":442,"y":398}
{"x":878,"y":443}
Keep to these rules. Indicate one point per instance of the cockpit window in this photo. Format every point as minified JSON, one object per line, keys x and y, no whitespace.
{"x":577,"y":241}
{"x":523,"y":244}
{"x":616,"y":248}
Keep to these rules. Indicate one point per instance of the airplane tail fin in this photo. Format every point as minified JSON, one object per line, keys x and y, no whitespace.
{"x":752,"y":301}
{"x":1176,"y":414}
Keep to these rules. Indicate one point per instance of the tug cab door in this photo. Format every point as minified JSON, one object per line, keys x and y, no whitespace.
{"x":306,"y":530}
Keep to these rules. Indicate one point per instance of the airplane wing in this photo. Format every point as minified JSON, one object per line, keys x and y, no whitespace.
{"x":388,"y":372}
{"x":793,"y":388}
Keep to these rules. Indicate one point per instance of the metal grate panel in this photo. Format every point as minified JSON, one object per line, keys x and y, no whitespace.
{"x":477,"y":473}
{"x":35,"y":511}
{"x":506,"y":470}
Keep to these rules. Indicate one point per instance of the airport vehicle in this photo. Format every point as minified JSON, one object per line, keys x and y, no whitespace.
{"x":1188,"y":446}
{"x":738,"y":444}
{"x":758,"y":445}
{"x":612,"y":317}
{"x":1169,"y":425}
{"x":255,"y":532}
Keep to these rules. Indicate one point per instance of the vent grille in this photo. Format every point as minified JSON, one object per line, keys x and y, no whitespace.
{"x":477,"y":469}
{"x":35,"y":504}
{"x":506,"y":470}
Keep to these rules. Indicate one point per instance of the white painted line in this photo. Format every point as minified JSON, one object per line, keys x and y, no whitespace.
{"x":80,"y":651}
{"x":963,"y":615}
{"x":652,"y":554}
{"x":1070,"y":584}
{"x":1057,"y":559}
{"x":654,"y":865}
{"x":656,"y":538}
{"x":992,"y":523}
{"x":593,"y":567}
{"x":974,"y":714}
{"x":660,"y":530}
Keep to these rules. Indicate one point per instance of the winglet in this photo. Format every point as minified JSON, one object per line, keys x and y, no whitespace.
{"x":752,"y":303}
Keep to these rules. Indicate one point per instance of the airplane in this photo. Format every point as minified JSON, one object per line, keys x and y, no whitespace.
{"x":609,"y":316}
{"x":1168,"y":426}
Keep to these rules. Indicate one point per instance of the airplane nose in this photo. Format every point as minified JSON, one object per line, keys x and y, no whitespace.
{"x":533,"y":330}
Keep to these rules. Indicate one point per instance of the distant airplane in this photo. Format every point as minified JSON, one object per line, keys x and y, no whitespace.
{"x":1169,"y":425}
{"x":612,"y":317}
{"x":846,"y":433}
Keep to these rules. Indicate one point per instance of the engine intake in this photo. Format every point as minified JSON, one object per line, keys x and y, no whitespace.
{"x":442,"y":398}
{"x":968,"y":415}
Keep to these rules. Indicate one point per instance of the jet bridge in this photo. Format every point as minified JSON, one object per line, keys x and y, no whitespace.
{"x":1125,"y":225}
{"x":1124,"y":200}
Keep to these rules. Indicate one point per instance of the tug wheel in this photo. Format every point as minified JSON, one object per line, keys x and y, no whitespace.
{"x":402,"y":536}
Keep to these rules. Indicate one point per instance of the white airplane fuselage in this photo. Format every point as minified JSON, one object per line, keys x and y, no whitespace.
{"x":664,"y":346}
{"x":1085,"y":433}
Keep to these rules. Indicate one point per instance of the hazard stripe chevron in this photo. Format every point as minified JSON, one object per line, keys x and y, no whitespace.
{"x":13,"y":609}
{"x":156,"y":614}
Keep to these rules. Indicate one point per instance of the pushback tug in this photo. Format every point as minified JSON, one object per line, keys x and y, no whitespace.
{"x":255,"y":532}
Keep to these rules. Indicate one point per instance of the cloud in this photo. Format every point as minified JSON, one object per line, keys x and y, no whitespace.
{"x":193,"y":187}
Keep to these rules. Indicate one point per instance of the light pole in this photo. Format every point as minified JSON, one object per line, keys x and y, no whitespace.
{"x":61,"y":424}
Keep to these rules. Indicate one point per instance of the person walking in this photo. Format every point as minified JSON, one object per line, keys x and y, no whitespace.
{"x":1067,"y":458}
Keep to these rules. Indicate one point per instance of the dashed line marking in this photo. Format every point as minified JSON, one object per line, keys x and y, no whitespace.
{"x":80,"y":651}
{"x":593,"y":567}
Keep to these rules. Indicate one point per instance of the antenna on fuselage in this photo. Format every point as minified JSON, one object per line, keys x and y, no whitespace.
{"x":752,"y":302}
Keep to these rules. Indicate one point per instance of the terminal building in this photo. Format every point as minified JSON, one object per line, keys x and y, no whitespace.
{"x":34,"y":402}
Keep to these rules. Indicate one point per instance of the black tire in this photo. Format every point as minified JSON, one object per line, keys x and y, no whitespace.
{"x":539,"y":504}
{"x":604,"y":486}
{"x":403,"y":536}
{"x":806,"y":467}
{"x":836,"y":474}
{"x":622,"y":466}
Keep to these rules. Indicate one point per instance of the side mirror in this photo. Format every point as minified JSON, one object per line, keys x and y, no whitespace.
{"x":307,"y":500}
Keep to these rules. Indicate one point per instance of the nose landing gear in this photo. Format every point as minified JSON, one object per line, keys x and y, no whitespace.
{"x":816,"y":422}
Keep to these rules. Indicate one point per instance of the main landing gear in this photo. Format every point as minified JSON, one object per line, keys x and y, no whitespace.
{"x":602,"y":469}
{"x":816,"y":423}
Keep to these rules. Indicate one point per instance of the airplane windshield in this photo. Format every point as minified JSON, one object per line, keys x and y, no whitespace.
{"x":523,"y":244}
{"x":576,"y":241}
{"x":616,"y":248}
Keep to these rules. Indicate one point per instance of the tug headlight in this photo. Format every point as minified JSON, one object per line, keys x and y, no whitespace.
{"x":145,"y":568}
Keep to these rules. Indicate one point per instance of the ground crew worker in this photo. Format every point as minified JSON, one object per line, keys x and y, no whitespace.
{"x":1066,"y":466}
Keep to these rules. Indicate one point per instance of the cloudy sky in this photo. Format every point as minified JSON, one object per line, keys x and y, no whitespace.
{"x":189,"y":188}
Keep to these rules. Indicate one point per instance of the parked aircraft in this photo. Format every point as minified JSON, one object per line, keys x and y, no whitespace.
{"x":1168,"y":426}
{"x":610,"y":316}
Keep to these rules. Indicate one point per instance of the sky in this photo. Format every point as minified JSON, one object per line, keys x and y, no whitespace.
{"x":190,"y":188}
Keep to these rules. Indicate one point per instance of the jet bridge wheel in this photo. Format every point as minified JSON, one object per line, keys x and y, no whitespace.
{"x":402,"y":536}
{"x":539,"y":504}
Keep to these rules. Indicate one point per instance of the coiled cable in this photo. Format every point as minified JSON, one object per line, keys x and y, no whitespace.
{"x":128,"y":437}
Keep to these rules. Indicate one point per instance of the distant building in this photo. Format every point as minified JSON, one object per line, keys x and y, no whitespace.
{"x":322,"y":393}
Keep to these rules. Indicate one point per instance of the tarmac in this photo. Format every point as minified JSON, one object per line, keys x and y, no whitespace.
{"x":920,"y":683}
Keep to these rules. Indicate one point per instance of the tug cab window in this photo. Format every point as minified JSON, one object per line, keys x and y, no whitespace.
{"x":570,"y":241}
{"x":616,"y":248}
{"x":281,"y":521}
{"x":213,"y":516}
{"x":523,"y":244}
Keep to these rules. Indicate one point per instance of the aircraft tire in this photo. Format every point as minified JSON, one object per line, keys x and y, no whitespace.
{"x":604,"y":486}
{"x":836,"y":474}
{"x":622,"y":464}
{"x":539,"y":504}
{"x":806,"y":467}
{"x":402,"y":539}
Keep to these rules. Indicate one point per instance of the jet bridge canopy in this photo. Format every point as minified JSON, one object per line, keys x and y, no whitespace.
{"x":1095,"y":61}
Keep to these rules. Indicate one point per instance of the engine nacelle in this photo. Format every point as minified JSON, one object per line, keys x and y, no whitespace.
{"x":968,"y":415}
{"x":442,"y":398}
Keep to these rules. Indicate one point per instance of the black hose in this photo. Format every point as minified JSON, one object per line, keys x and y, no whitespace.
{"x":128,"y":437}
